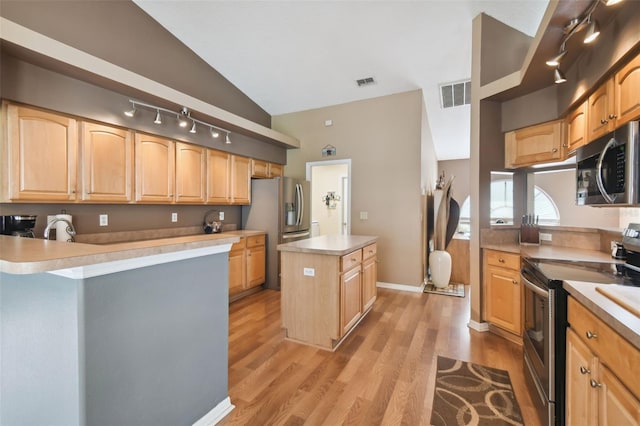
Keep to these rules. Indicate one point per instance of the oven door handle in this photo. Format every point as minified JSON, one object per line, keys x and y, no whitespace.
{"x":534,"y":287}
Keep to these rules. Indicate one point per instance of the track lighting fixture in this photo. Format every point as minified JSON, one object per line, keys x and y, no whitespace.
{"x":183,"y":116}
{"x":593,"y":31}
{"x":574,"y":26}
{"x":132,"y":111}
{"x":555,"y":61}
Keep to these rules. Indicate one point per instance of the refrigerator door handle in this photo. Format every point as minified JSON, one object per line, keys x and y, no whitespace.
{"x":295,"y":235}
{"x":298,"y":204}
{"x":301,"y":209}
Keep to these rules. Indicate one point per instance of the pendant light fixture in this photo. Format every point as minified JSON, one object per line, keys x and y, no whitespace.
{"x":558,"y":76}
{"x":183,"y":117}
{"x":593,"y":31}
{"x":555,"y":61}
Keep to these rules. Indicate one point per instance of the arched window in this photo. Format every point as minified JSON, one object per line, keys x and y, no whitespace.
{"x":502,"y":206}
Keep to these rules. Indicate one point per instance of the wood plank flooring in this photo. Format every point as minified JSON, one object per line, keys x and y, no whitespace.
{"x":382,"y":374}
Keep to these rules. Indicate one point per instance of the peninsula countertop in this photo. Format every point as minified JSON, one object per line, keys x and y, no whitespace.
{"x":547,"y":251}
{"x":335,"y":245}
{"x":30,"y":256}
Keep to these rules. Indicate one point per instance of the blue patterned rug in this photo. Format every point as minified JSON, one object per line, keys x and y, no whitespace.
{"x":471,"y":394}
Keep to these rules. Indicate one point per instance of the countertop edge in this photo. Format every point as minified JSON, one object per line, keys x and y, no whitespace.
{"x":622,"y":321}
{"x":307,"y":246}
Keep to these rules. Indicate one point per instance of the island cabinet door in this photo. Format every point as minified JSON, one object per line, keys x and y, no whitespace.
{"x":369,"y":280}
{"x":351,"y":299}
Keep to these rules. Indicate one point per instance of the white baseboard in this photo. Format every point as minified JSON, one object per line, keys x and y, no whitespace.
{"x":216,"y":414}
{"x":478,"y":326}
{"x":401,"y":287}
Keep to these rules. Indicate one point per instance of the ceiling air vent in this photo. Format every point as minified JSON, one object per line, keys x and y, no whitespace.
{"x":365,"y":81}
{"x":455,"y":94}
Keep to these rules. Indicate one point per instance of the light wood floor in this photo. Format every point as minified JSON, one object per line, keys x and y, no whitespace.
{"x":382,"y":374}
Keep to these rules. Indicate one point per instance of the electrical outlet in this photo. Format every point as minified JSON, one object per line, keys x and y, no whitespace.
{"x":364,"y":215}
{"x":546,"y":237}
{"x":220,"y":215}
{"x":174,"y":217}
{"x":104,"y":220}
{"x":309,"y":272}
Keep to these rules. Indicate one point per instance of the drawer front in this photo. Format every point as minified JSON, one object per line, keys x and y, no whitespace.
{"x":240,"y":245}
{"x":613,"y":350}
{"x":255,"y":240}
{"x":502,"y":259}
{"x":350,"y":260}
{"x":369,"y":251}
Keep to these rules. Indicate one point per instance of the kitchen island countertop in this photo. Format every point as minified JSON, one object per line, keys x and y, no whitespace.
{"x":335,"y":245}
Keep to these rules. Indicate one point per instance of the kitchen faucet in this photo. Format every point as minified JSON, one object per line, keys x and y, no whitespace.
{"x":70,"y":229}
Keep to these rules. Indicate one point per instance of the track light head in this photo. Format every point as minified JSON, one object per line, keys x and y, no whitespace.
{"x":610,"y":2}
{"x":555,"y":61}
{"x":183,"y":117}
{"x":227,"y":140}
{"x":132,"y":111}
{"x":158,"y":119}
{"x":214,"y":133}
{"x":558,"y":76}
{"x":593,"y":31}
{"x":193,"y":128}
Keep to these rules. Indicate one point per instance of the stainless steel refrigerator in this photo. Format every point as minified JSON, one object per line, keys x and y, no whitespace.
{"x":282,"y":208}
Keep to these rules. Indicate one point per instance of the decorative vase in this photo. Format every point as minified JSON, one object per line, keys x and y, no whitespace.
{"x":440,"y":264}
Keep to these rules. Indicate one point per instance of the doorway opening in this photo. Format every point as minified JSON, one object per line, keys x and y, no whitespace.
{"x":330,"y":197}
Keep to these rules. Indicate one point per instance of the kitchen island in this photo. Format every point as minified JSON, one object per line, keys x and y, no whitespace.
{"x":328,"y":285}
{"x":129,"y":333}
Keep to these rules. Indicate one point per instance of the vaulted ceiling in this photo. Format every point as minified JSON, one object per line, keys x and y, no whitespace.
{"x":290,"y":56}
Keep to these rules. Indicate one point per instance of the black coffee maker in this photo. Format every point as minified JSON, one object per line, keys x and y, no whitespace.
{"x":20,"y":225}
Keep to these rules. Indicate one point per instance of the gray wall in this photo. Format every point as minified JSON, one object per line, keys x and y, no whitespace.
{"x":140,"y":347}
{"x":123,"y":34}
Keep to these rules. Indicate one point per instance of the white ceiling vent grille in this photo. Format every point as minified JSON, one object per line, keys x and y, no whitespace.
{"x":455,"y":94}
{"x":365,"y":81}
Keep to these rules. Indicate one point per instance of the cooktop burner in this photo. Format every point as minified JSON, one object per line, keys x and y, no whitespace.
{"x":597,"y":272}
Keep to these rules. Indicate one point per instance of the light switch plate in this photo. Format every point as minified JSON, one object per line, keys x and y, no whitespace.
{"x":364,"y":215}
{"x":546,"y":237}
{"x":104,"y":220}
{"x":174,"y":217}
{"x":220,"y":215}
{"x":309,"y":272}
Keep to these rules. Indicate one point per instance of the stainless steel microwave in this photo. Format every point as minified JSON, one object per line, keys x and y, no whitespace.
{"x":607,"y":169}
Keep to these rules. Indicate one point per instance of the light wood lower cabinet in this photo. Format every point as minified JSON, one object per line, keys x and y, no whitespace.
{"x":502,"y":291}
{"x":247,"y":264}
{"x":325,"y":296}
{"x":601,"y":374}
{"x":39,"y":155}
{"x":106,"y":166}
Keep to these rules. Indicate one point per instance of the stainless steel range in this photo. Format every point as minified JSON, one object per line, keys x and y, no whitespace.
{"x":545,"y":311}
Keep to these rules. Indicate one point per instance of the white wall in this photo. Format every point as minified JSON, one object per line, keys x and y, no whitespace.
{"x":324,"y":179}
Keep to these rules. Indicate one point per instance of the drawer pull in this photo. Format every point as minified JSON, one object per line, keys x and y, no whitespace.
{"x":515,"y":282}
{"x":554,"y":150}
{"x":595,"y":384}
{"x":353,"y":259}
{"x":584,"y":370}
{"x":501,"y":260}
{"x":591,"y":335}
{"x":603,"y":121}
{"x":612,"y":116}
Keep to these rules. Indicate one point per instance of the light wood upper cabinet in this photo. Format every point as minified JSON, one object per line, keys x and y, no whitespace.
{"x":240,"y":180}
{"x":576,"y":122}
{"x":218,"y":177}
{"x":627,"y":92}
{"x":265,"y":169}
{"x":503,"y":292}
{"x":106,"y":167}
{"x":541,"y":143}
{"x":155,"y":168}
{"x":38,"y":155}
{"x":601,"y":115}
{"x":191,"y":173}
{"x":276,"y":170}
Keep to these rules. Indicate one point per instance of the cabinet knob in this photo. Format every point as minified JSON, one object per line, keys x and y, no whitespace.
{"x":591,"y":335}
{"x":603,"y":121}
{"x":565,"y":145}
{"x":584,"y":370}
{"x":612,"y":116}
{"x":515,"y":282}
{"x":554,"y":150}
{"x":595,"y":384}
{"x":501,"y":260}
